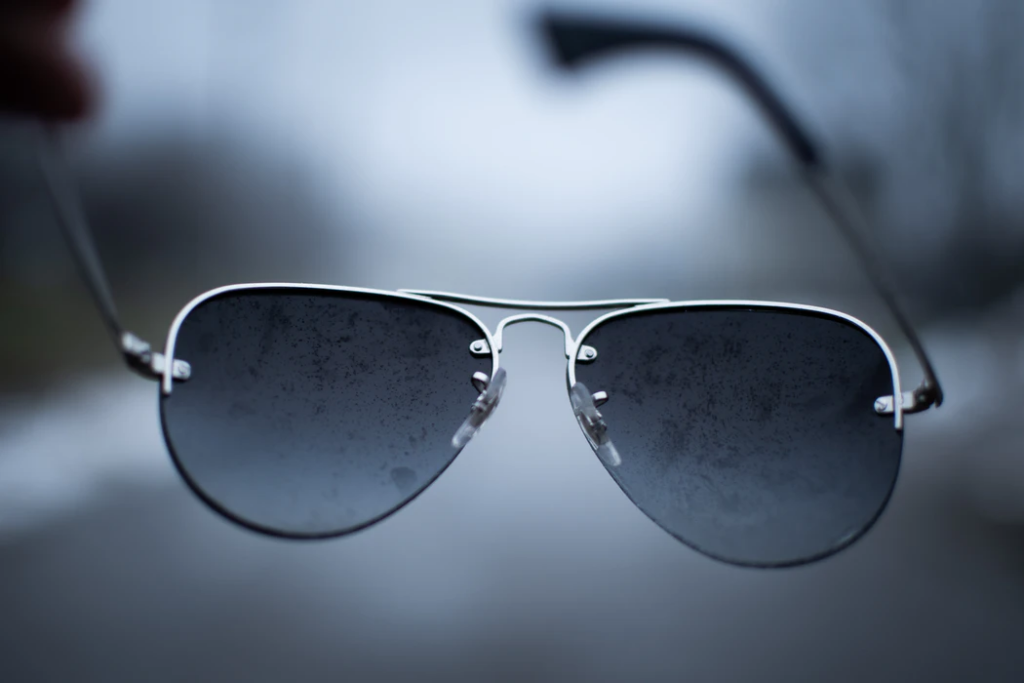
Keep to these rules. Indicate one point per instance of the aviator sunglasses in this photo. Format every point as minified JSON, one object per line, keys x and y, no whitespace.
{"x":758,"y":433}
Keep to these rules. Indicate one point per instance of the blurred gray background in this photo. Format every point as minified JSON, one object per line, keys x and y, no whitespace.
{"x":429,"y":145}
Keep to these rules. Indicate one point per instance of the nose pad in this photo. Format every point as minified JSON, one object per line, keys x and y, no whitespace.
{"x":594,"y":427}
{"x":490,"y":389}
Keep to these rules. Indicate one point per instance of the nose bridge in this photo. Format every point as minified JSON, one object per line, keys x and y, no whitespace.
{"x":538,"y":318}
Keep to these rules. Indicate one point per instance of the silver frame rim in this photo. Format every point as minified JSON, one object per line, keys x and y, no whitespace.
{"x":740,"y":303}
{"x":167,"y":381}
{"x":523,"y":304}
{"x":572,"y":345}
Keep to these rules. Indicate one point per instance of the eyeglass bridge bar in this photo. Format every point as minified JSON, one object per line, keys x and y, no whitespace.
{"x":491,"y":302}
{"x":578,"y":39}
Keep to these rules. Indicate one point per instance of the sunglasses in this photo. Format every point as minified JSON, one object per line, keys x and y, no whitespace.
{"x":758,"y":433}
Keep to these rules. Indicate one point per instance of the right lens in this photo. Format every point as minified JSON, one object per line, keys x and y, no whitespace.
{"x":748,"y":433}
{"x":314,"y":412}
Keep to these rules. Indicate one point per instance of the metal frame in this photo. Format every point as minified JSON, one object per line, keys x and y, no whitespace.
{"x":579,"y":39}
{"x":898,"y":412}
{"x":575,"y":350}
{"x":492,"y":302}
{"x":143,"y":360}
{"x":75,"y":228}
{"x":575,"y":41}
{"x":167,"y":378}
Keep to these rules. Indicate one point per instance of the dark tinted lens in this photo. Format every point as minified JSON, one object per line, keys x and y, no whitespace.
{"x":749,"y":434}
{"x":313,"y":412}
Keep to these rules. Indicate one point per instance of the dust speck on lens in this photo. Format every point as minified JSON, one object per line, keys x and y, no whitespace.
{"x":404,"y":478}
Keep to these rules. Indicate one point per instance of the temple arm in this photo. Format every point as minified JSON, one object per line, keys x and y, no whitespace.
{"x":71,"y":218}
{"x":579,"y":39}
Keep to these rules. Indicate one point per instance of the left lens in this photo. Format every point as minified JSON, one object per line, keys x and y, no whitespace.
{"x":748,"y":433}
{"x":315,"y":412}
